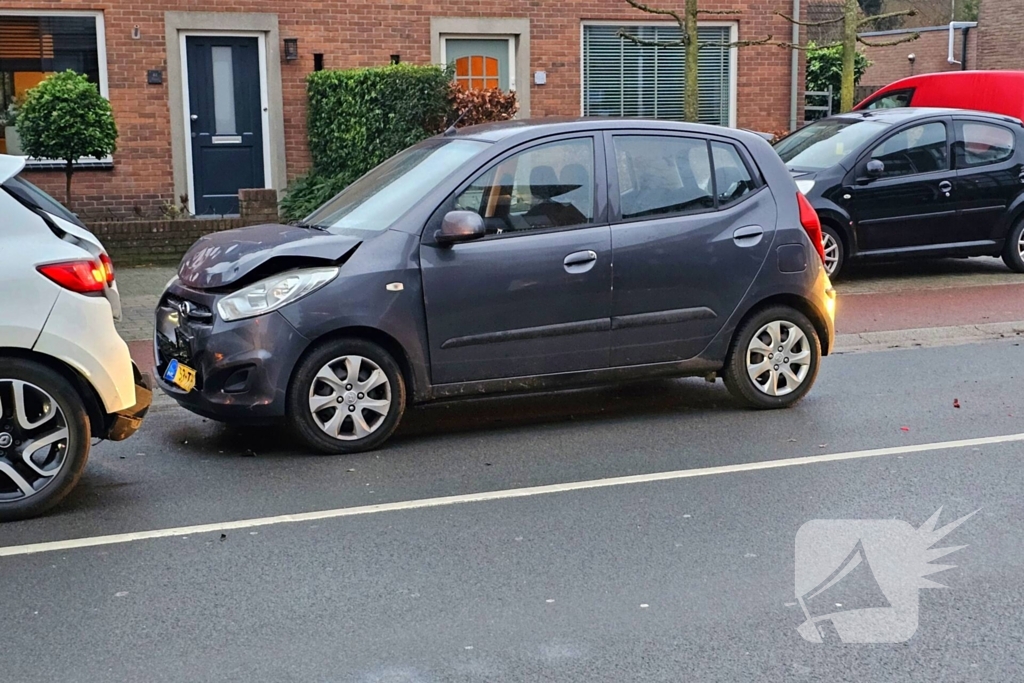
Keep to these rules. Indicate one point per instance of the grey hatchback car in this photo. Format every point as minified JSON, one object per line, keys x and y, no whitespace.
{"x":523,"y":256}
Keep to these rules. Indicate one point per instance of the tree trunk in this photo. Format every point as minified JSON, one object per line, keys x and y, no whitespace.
{"x":691,"y":103}
{"x":68,"y":170}
{"x":851,"y":19}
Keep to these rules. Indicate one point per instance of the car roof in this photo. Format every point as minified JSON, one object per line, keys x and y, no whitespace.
{"x":533,"y":128}
{"x":901,"y":114}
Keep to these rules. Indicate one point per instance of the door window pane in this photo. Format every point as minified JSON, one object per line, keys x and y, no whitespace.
{"x":223,"y":90}
{"x":732,"y":177}
{"x":549,"y":186}
{"x":921,"y":149}
{"x":661,"y":175}
{"x":983,"y":144}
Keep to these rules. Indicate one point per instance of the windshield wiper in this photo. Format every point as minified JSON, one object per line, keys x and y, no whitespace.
{"x":311,"y":226}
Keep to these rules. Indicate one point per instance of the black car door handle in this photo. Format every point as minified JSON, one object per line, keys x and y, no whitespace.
{"x":580,"y":261}
{"x":1021,"y":177}
{"x":748,"y":236}
{"x":946,"y":186}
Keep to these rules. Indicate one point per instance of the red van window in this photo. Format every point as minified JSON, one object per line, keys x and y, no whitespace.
{"x":892,"y":100}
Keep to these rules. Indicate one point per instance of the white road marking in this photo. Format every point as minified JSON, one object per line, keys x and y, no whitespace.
{"x":484,"y":496}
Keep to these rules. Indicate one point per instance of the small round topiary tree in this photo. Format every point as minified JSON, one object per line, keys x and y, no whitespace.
{"x":66,"y":118}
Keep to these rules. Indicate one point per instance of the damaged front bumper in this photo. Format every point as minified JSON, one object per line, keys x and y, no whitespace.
{"x":122,"y":424}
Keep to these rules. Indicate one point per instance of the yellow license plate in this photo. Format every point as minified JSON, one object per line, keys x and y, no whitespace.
{"x":180,"y":375}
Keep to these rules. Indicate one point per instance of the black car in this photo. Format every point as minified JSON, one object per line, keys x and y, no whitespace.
{"x":515,"y":257}
{"x":894,"y":183}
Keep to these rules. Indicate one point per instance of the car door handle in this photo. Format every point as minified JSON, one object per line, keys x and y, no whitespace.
{"x":946,"y":187}
{"x":749,"y":236}
{"x":580,"y":261}
{"x":1021,"y":177}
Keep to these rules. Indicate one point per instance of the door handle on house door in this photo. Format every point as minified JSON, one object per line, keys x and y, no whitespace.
{"x":946,"y":187}
{"x":579,"y":262}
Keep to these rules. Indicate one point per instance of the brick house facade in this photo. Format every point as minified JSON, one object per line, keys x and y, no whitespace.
{"x":140,"y":70}
{"x":999,"y":34}
{"x":931,"y":51}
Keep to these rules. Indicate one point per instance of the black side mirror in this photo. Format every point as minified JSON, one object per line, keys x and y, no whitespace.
{"x":874,"y":169}
{"x":460,"y":226}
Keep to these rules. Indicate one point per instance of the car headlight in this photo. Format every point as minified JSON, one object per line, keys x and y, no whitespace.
{"x":273,"y":292}
{"x":804,"y":186}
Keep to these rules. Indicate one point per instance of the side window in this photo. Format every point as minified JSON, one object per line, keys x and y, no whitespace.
{"x":662,"y":175}
{"x":894,"y":100}
{"x":732,"y":177}
{"x":548,"y":186}
{"x":979,"y":144}
{"x":921,"y":149}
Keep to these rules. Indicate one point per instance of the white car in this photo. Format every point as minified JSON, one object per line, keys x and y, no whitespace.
{"x":65,"y":374}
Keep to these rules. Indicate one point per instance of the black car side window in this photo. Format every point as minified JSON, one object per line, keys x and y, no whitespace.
{"x":919,"y":149}
{"x":979,"y":144}
{"x":661,"y":175}
{"x":732,"y":177}
{"x":547,"y":186}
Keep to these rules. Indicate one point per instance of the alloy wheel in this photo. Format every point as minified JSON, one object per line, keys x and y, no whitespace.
{"x":831,"y":247}
{"x":350,"y":398}
{"x":1020,"y":245}
{"x":34,"y":438}
{"x":778,"y":358}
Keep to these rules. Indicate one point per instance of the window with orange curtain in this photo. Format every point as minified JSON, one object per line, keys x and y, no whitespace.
{"x":476,"y":72}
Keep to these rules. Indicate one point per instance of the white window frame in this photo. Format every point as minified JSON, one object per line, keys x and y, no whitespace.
{"x":101,"y":47}
{"x":734,"y":30}
{"x":261,"y":48}
{"x":445,"y":37}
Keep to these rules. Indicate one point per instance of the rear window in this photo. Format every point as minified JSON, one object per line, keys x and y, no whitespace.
{"x":980,"y":144}
{"x":28,"y":193}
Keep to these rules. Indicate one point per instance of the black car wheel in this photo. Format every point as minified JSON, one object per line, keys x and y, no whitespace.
{"x":1013,"y":252}
{"x":44,"y":438}
{"x":774,"y":359}
{"x":347,"y":396}
{"x":835,"y":255}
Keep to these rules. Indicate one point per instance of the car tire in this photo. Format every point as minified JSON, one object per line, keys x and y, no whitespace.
{"x":768,"y":330}
{"x":38,"y":403}
{"x":324,"y":411}
{"x":1013,"y":252}
{"x":835,"y":252}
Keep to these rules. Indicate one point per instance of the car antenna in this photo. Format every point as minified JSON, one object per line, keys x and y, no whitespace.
{"x":450,"y":130}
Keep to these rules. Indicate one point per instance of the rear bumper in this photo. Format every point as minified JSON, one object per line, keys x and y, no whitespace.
{"x":124,"y":423}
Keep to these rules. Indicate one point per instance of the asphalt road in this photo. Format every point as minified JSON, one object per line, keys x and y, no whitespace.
{"x":683,"y":579}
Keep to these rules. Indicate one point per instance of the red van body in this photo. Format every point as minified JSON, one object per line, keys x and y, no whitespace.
{"x":1000,"y":92}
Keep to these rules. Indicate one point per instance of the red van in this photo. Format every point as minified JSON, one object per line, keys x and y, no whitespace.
{"x":1000,"y":92}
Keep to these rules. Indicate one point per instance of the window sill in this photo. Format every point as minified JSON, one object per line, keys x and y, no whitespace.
{"x":87,"y":163}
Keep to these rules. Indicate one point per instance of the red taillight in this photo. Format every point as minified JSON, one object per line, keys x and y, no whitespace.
{"x":84,"y":277}
{"x":108,"y":268}
{"x":809,"y":219}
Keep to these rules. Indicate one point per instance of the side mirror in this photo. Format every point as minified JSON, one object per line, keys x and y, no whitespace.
{"x":874,"y":169}
{"x":460,"y":226}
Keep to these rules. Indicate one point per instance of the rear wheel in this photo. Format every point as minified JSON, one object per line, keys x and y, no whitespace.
{"x":774,"y":359}
{"x":1013,"y":252}
{"x":347,"y":396}
{"x":835,"y":255}
{"x":44,"y":438}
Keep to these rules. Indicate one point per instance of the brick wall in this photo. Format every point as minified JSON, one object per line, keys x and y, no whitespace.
{"x":354,"y":33}
{"x":890,"y":63}
{"x":1001,"y":32}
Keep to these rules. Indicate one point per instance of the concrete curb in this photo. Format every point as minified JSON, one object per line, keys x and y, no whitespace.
{"x":927,"y":337}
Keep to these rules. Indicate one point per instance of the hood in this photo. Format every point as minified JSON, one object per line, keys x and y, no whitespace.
{"x":222,"y":258}
{"x":10,"y":166}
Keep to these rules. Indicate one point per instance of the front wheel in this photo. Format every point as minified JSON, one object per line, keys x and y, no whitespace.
{"x":347,"y":396}
{"x":1013,"y":253}
{"x":774,"y":359}
{"x":835,"y":255}
{"x":44,"y":438}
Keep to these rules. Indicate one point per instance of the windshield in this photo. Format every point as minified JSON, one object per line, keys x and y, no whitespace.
{"x":379,"y":198}
{"x":824,"y":143}
{"x":32,"y":195}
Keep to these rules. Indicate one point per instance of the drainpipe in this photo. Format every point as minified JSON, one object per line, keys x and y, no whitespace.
{"x":965,"y":26}
{"x":794,"y":79}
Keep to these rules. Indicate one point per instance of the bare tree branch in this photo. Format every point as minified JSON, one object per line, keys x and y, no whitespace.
{"x":719,"y":11}
{"x":907,"y":39}
{"x":767,"y":40}
{"x":888,"y":15}
{"x":791,"y":20}
{"x":664,"y":12}
{"x":626,"y":35}
{"x":796,"y":46}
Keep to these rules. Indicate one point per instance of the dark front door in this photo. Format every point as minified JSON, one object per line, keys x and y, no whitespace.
{"x":911,"y":205}
{"x":989,"y":178}
{"x":690,"y":238}
{"x":532,"y":297}
{"x":226,"y":120}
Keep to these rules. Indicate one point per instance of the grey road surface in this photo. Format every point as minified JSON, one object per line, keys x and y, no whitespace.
{"x":690,"y":579}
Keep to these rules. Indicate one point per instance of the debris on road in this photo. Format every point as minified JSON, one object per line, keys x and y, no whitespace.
{"x":956,"y":403}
